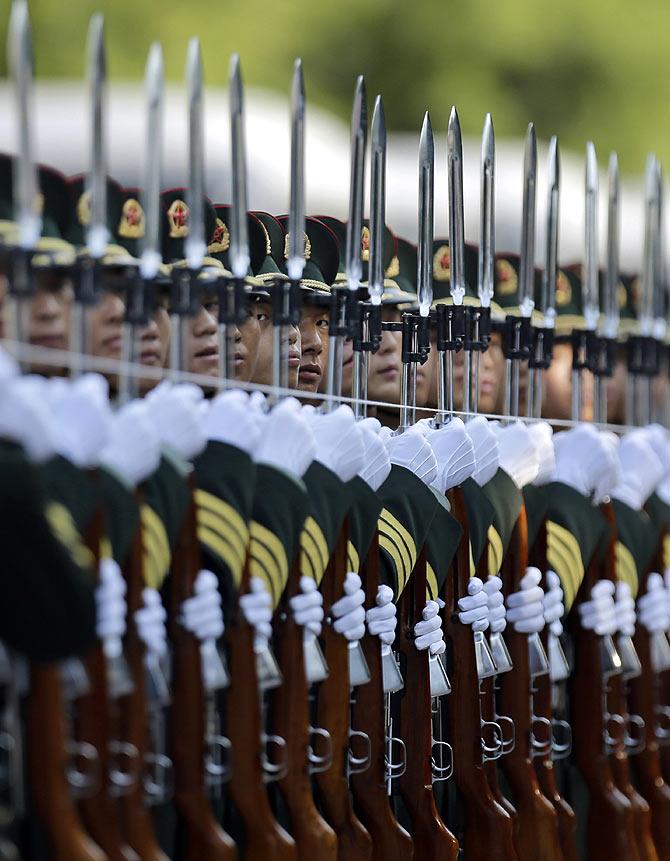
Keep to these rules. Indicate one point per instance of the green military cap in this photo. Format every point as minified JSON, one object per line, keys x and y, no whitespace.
{"x":275,"y":238}
{"x":339,"y":228}
{"x":219,"y":243}
{"x":322,"y":254}
{"x":506,"y":286}
{"x":131,"y":227}
{"x":175,"y":220}
{"x":569,"y":302}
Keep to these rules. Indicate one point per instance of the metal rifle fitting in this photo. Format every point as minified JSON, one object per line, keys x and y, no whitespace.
{"x":541,"y":348}
{"x":517,"y":338}
{"x":450,"y":322}
{"x":477,"y":328}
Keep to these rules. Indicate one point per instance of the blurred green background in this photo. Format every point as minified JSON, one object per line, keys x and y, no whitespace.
{"x":582,"y":69}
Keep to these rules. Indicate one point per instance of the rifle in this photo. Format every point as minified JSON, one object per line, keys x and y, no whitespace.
{"x":432,"y":839}
{"x":333,"y":714}
{"x":488,"y":831}
{"x":198,"y":833}
{"x":370,"y":788}
{"x":536,"y":837}
{"x":290,"y":715}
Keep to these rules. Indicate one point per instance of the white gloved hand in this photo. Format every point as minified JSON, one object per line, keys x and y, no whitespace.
{"x":554,"y":608}
{"x":411,"y":450}
{"x":525,"y":608}
{"x":454,"y":452}
{"x":111,"y":608}
{"x":287,"y":440}
{"x":608,"y":476}
{"x":598,"y":613}
{"x":652,"y":607}
{"x":257,"y":608}
{"x":485,"y":443}
{"x":624,"y":607}
{"x":582,"y":458}
{"x":428,"y":633}
{"x":496,"y":604}
{"x":542,"y":435}
{"x":376,"y":462}
{"x":641,"y":470}
{"x":178,"y":412}
{"x":232,"y":419}
{"x":348,"y":612}
{"x":307,"y":606}
{"x":25,"y":417}
{"x":202,"y":614}
{"x":382,"y":619}
{"x":133,"y":449}
{"x":474,"y":607}
{"x":659,"y":439}
{"x":517,"y":453}
{"x":339,"y":441}
{"x":150,"y":622}
{"x":82,"y":418}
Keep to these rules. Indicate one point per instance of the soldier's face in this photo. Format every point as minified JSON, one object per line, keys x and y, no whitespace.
{"x":313,"y":347}
{"x":263,"y":372}
{"x":385,"y":366}
{"x":491,"y":375}
{"x":154,"y":343}
{"x":104,"y":326}
{"x":202,"y":343}
{"x":247,"y":337}
{"x":48,"y":318}
{"x":557,"y":400}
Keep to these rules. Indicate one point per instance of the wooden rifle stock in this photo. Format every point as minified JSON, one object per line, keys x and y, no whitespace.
{"x":199,"y":835}
{"x":136,"y":819}
{"x":47,"y":760}
{"x":643,"y":699}
{"x":542,"y":699}
{"x":390,"y":841}
{"x":487,"y":834}
{"x":314,"y":838}
{"x":353,"y":841}
{"x":432,"y":838}
{"x":536,"y":836}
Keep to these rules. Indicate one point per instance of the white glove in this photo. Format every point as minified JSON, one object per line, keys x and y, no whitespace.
{"x":348,"y":611}
{"x":203,"y":617}
{"x":82,"y":418}
{"x":339,"y":441}
{"x":474,"y":607}
{"x":652,"y":607}
{"x":554,"y":609}
{"x":598,"y":613}
{"x":26,"y":419}
{"x":517,"y":453}
{"x":232,"y":419}
{"x":454,"y":452}
{"x":582,"y":458}
{"x":541,"y":433}
{"x":641,"y":470}
{"x":485,"y":443}
{"x":659,"y":439}
{"x":376,"y":462}
{"x":257,"y":608}
{"x":287,"y":440}
{"x":177,"y":412}
{"x":606,"y":478}
{"x":111,"y":608}
{"x":307,"y":606}
{"x":429,"y":633}
{"x":496,"y":604}
{"x":525,"y":608}
{"x":150,"y":622}
{"x":133,"y":449}
{"x":382,"y":619}
{"x":624,"y":607}
{"x":411,"y":450}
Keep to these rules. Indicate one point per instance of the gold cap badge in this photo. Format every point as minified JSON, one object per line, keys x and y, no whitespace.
{"x":506,"y":277}
{"x":220,"y":239}
{"x":131,"y":225}
{"x":178,"y":216}
{"x":442,"y":264}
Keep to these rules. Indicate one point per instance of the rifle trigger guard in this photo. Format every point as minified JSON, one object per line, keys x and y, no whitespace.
{"x":561,"y":739}
{"x":217,"y":760}
{"x":662,"y":729}
{"x":509,"y":742}
{"x":122,"y":781}
{"x":538,"y":745}
{"x":158,"y":785}
{"x":613,"y":722}
{"x":318,"y":764}
{"x":278,"y":769}
{"x":495,"y":750}
{"x":83,"y":782}
{"x":359,"y":764}
{"x":440,"y":770}
{"x":635,"y":741}
{"x":391,"y":768}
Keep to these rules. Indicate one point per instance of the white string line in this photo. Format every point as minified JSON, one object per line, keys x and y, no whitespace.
{"x":53,"y":357}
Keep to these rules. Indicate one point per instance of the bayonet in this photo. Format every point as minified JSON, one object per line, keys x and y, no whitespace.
{"x":195,"y":245}
{"x":239,"y":240}
{"x":486,"y":278}
{"x":527,"y":255}
{"x":377,"y":202}
{"x":426,"y":197}
{"x":591,"y":299}
{"x":97,"y":233}
{"x":456,"y":221}
{"x":610,"y":303}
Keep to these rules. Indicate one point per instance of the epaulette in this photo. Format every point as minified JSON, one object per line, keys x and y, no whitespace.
{"x":441,"y":545}
{"x":480,"y":514}
{"x":636,"y":543}
{"x":166,"y":497}
{"x":363,"y":517}
{"x":506,"y":499}
{"x":121,"y":515}
{"x":329,"y":502}
{"x":659,"y":512}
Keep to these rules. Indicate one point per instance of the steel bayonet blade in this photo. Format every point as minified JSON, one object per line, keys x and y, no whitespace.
{"x":97,"y":234}
{"x":296,"y":216}
{"x":485,"y":280}
{"x":154,"y":81}
{"x":660,"y":325}
{"x":195,"y":245}
{"x":591,"y":298}
{"x":359,"y":129}
{"x":527,"y":254}
{"x":548,"y":297}
{"x":377,"y":201}
{"x":20,"y":56}
{"x":456,"y":216}
{"x":239,"y":239}
{"x":651,"y":205}
{"x":610,"y":303}
{"x":424,"y":284}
